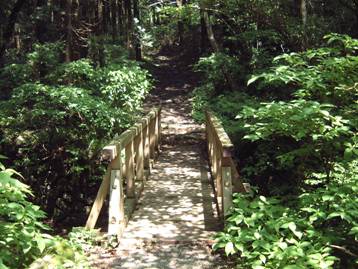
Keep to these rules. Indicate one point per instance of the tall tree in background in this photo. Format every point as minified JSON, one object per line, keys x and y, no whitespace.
{"x":136,"y":17}
{"x":68,"y":24}
{"x":180,"y":4}
{"x":130,"y":28}
{"x":9,"y":28}
{"x":114,"y":14}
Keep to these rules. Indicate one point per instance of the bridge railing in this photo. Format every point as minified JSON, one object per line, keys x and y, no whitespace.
{"x":130,"y":158}
{"x":222,"y":166}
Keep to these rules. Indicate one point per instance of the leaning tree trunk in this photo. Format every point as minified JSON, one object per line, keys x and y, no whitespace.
{"x":217,"y":49}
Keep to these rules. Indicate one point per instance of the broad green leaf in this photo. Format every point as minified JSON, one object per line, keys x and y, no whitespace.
{"x":229,"y":248}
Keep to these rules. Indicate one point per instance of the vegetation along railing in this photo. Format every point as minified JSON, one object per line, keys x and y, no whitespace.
{"x":223,"y":169}
{"x":130,"y":158}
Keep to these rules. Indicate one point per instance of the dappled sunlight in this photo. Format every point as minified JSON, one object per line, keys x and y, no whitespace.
{"x":177,"y":203}
{"x":152,"y":255}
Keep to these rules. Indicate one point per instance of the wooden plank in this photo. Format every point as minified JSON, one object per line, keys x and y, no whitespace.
{"x":237,"y":183}
{"x":116,"y":203}
{"x":219,"y":130}
{"x":126,"y":137}
{"x":98,"y":203}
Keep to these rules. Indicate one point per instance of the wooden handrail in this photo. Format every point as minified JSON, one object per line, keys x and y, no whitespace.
{"x":222,"y":165}
{"x":140,"y":143}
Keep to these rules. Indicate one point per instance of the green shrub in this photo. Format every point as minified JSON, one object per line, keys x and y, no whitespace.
{"x":125,"y":87}
{"x":295,"y":232}
{"x":317,"y":137}
{"x":56,"y":117}
{"x":326,"y":75}
{"x":56,"y":133}
{"x":266,"y":234}
{"x":44,"y":58}
{"x":299,"y":137}
{"x":79,"y":73}
{"x":213,"y":66}
{"x":22,"y":240}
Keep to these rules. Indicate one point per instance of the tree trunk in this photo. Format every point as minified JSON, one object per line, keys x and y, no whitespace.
{"x":41,"y":23}
{"x":209,"y":29}
{"x":17,"y":37}
{"x":180,"y":23}
{"x":105,"y":16}
{"x":138,"y":50}
{"x":303,"y":9}
{"x":9,"y":29}
{"x":217,"y":49}
{"x":203,"y":33}
{"x":68,"y":53}
{"x":114,"y":19}
{"x":129,"y":22}
{"x":120,"y":16}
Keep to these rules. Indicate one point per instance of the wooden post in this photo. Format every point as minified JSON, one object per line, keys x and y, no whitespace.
{"x":218,"y":172}
{"x":159,"y":127}
{"x":116,"y":204}
{"x":138,"y":147}
{"x":146,"y":147}
{"x":215,"y":160}
{"x":152,"y":136}
{"x":226,"y":186}
{"x":130,"y":169}
{"x":156,"y":131}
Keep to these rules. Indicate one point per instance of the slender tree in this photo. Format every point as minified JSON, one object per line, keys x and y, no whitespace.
{"x":136,"y":14}
{"x":10,"y":28}
{"x":69,"y":36}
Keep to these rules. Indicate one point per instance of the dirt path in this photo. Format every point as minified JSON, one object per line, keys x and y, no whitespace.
{"x":176,"y":216}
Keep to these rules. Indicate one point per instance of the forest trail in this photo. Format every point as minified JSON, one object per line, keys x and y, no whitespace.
{"x":176,"y":216}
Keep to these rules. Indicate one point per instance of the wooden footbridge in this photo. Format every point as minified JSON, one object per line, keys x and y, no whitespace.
{"x":160,"y":184}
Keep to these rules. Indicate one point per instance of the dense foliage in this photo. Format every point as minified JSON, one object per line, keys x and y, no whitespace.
{"x":22,"y":238}
{"x":294,"y":126}
{"x":304,"y":231}
{"x":55,"y":120}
